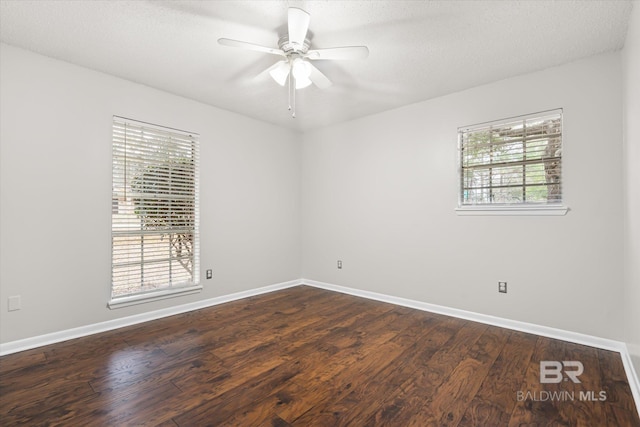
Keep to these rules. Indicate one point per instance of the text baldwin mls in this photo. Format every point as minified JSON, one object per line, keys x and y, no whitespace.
{"x":562,"y":396}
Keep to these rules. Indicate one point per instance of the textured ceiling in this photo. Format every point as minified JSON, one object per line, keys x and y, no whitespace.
{"x":418,"y":49}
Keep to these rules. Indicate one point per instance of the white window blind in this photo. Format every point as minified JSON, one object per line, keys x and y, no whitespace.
{"x":154,"y":228}
{"x":512,"y":162}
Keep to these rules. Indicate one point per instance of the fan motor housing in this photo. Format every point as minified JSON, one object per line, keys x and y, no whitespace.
{"x":287,"y":47}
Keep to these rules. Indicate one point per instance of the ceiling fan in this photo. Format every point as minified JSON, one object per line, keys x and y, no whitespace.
{"x":296,"y":69}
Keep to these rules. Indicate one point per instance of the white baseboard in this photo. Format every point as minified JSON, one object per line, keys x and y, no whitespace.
{"x":55,"y":337}
{"x":531,"y":328}
{"x":632,"y":376}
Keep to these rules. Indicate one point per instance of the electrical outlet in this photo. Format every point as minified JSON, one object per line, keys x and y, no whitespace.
{"x":502,"y":287}
{"x":209,"y":274}
{"x":339,"y":265}
{"x":15,"y":303}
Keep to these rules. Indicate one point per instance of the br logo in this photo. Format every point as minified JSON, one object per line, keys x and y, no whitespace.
{"x":552,"y":371}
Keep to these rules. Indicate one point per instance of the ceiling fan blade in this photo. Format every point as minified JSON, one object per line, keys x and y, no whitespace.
{"x":298,"y":25}
{"x":346,"y":52}
{"x":250,"y":46}
{"x":318,"y":78}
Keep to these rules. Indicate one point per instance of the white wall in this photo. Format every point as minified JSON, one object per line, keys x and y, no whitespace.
{"x":631,"y":82}
{"x":55,"y":186}
{"x":379,"y":194}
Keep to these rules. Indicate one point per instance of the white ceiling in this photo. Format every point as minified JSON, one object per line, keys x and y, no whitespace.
{"x":418,"y":49}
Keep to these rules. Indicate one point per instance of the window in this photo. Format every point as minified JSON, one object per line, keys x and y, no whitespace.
{"x":154,"y":226}
{"x":512,"y":165}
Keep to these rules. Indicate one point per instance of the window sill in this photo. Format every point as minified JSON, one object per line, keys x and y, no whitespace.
{"x":512,"y":210}
{"x":152,"y":296}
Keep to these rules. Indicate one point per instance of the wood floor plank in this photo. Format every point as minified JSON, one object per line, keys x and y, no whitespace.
{"x":613,"y":379}
{"x":332,"y":374}
{"x":56,"y":365}
{"x":352,"y":371}
{"x":192,"y":329}
{"x":234,"y":331}
{"x":20,"y":408}
{"x":232,"y":325}
{"x":208,"y":382}
{"x":450,"y":402}
{"x":235,"y":399}
{"x":163,"y":371}
{"x":283,"y":326}
{"x":308,"y":357}
{"x":497,"y":396}
{"x":531,"y":411}
{"x":348,"y":409}
{"x":414,"y":397}
{"x":21,"y":360}
{"x":264,"y":411}
{"x":139,"y":406}
{"x":586,"y":408}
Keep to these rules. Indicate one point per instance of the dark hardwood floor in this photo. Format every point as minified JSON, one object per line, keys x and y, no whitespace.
{"x":304,"y":357}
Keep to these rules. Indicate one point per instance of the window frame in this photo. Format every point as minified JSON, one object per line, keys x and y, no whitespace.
{"x":155,"y":166}
{"x":521,"y":208}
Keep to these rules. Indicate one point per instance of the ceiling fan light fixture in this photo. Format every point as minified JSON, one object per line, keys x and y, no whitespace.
{"x":280,"y":73}
{"x":301,"y":69}
{"x":303,"y":82}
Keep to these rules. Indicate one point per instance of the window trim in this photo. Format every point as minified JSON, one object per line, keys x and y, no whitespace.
{"x":516,"y":209}
{"x":542,"y":210}
{"x":194,"y":286}
{"x":151,"y":296}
